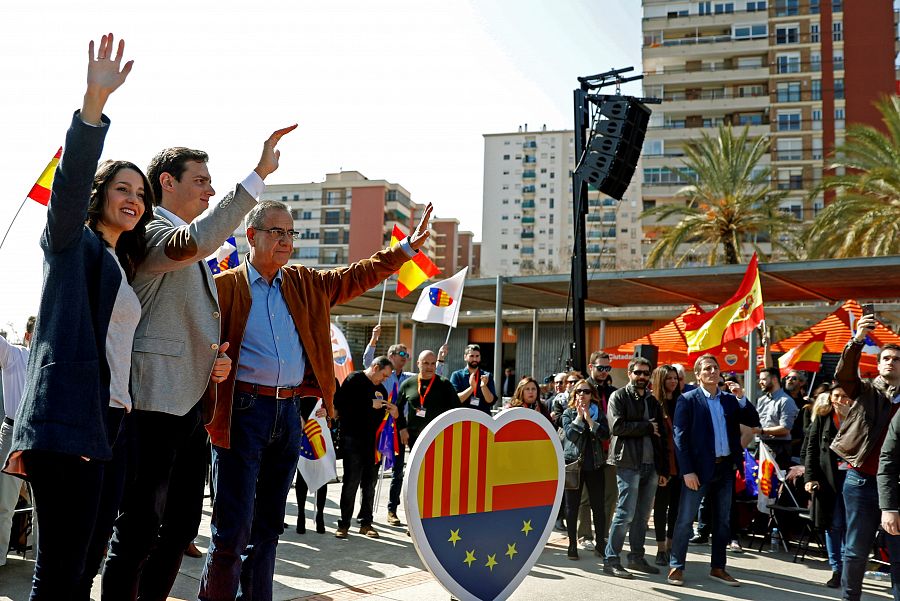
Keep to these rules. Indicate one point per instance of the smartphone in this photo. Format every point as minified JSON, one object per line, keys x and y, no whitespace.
{"x":868,"y":309}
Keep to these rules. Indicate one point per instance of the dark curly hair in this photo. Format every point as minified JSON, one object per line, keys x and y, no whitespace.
{"x":130,"y":248}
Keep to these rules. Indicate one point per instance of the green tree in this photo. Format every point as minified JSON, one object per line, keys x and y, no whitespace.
{"x":864,"y":219}
{"x":728,"y":201}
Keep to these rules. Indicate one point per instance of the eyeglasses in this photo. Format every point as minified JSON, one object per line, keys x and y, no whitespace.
{"x":641,"y":372}
{"x":603,"y":367}
{"x":583,"y":391}
{"x":792,"y":378}
{"x":403,"y":354}
{"x":279,"y":234}
{"x":571,"y":381}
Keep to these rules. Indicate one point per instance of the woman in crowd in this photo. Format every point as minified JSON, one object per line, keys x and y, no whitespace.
{"x":584,"y":425}
{"x":825,"y":471}
{"x":666,"y":388}
{"x":68,"y":437}
{"x":527,"y":395}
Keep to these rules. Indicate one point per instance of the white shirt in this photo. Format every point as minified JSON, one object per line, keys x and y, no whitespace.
{"x":13,"y":359}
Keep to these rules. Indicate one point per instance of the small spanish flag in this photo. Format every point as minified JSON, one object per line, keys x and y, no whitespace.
{"x":415,"y":271}
{"x":806,"y":357}
{"x":40,"y":192}
{"x":733,"y":319}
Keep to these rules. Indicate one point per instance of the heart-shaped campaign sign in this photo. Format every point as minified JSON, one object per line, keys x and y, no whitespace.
{"x":481,"y":497}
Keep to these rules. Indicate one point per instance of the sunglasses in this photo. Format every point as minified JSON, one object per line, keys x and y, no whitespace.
{"x":603,"y":367}
{"x":641,"y":373}
{"x":583,"y":391}
{"x":571,"y":381}
{"x":403,"y":354}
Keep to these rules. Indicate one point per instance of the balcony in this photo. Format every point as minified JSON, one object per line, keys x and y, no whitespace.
{"x":527,"y":204}
{"x":526,"y":234}
{"x":705,"y":46}
{"x":593,"y":217}
{"x":528,"y":174}
{"x":528,"y":189}
{"x":714,"y":100}
{"x":679,"y":75}
{"x":527,"y":219}
{"x":594,"y":249}
{"x":529,"y":144}
{"x":528,"y":160}
{"x":527,"y":250}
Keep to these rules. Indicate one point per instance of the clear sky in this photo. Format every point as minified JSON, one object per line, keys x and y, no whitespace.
{"x":400,"y":90}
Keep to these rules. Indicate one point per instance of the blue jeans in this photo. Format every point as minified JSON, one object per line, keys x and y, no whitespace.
{"x":718,"y":491}
{"x":862,"y":519}
{"x":834,"y":535}
{"x":397,"y":480}
{"x":637,"y":489}
{"x":252,"y":480}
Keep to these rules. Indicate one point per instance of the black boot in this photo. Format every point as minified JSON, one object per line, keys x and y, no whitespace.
{"x":573,"y":550}
{"x":320,"y":523}
{"x":301,"y":524}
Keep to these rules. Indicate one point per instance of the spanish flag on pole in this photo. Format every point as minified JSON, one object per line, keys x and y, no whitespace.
{"x":415,"y":271}
{"x":806,"y":357}
{"x":733,"y":319}
{"x":40,"y":192}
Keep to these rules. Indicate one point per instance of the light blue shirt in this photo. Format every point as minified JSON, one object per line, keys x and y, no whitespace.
{"x":718,"y":420}
{"x":271,"y":352}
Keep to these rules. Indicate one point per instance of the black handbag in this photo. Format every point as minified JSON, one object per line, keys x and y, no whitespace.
{"x":573,"y":474}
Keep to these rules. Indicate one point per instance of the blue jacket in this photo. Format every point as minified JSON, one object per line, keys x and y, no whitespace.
{"x":66,"y":394}
{"x":695,"y":443}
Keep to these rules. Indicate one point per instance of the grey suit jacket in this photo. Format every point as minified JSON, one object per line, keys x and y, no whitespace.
{"x":176,"y":342}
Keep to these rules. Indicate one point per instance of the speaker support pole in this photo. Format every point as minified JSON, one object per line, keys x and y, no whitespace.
{"x":579,"y":254}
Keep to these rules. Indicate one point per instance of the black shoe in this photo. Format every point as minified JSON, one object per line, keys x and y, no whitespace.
{"x":301,"y":525}
{"x":616,"y":569}
{"x":639,"y":564}
{"x":662,"y":558}
{"x":320,"y":523}
{"x":834,"y":581}
{"x":559,"y":525}
{"x":699,"y":539}
{"x":573,"y":552}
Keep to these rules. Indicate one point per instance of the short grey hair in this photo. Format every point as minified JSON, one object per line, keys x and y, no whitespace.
{"x":257,"y":214}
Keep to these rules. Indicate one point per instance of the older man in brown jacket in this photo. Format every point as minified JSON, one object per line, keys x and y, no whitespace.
{"x":275,"y":320}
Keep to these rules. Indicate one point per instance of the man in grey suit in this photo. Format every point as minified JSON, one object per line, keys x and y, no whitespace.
{"x":176,"y":353}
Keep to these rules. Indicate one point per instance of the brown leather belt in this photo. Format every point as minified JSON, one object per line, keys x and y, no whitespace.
{"x":276,"y":392}
{"x":723,"y":459}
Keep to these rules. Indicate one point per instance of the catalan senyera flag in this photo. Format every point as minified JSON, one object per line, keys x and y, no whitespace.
{"x":415,"y":271}
{"x":40,"y":191}
{"x":768,"y":477}
{"x":806,"y":357}
{"x":734,"y":318}
{"x":317,"y":462}
{"x":477,"y":493}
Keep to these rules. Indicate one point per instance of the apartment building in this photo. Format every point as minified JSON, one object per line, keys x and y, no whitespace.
{"x":796,"y":71}
{"x":345,"y":218}
{"x":527,"y":214}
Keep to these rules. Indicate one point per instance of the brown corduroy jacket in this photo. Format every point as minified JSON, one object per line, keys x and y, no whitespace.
{"x":309,"y":295}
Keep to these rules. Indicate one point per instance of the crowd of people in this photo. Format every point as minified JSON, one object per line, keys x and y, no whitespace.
{"x":141,"y":369}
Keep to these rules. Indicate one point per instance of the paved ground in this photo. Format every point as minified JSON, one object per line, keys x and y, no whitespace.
{"x":319,"y":567}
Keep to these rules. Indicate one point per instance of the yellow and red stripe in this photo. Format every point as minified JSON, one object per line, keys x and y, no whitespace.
{"x":40,"y":191}
{"x":806,"y":357}
{"x":468,"y":469}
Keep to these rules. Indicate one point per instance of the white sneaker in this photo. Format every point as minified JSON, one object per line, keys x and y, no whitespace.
{"x":586,"y":544}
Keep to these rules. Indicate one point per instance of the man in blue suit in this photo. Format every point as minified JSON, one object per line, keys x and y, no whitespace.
{"x":708,"y":449}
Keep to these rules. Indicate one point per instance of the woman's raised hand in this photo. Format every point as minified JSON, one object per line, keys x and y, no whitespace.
{"x":105,"y":75}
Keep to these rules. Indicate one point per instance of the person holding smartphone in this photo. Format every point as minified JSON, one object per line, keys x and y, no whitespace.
{"x":360,"y":403}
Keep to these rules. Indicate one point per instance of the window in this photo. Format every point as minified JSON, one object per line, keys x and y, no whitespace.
{"x":751,"y":91}
{"x":653,"y":148}
{"x":504,"y":246}
{"x":814,"y":33}
{"x":838,"y":88}
{"x":839,"y":118}
{"x":837,"y":31}
{"x":756,"y":6}
{"x":788,"y":63}
{"x":789,"y":149}
{"x":817,"y":148}
{"x":817,"y":118}
{"x":815,"y":61}
{"x":787,"y":8}
{"x":838,"y":60}
{"x":504,"y":217}
{"x":790,"y":179}
{"x":787,"y":34}
{"x":505,"y":157}
{"x":789,"y":121}
{"x":837,"y":6}
{"x":705,"y":8}
{"x":813,"y":7}
{"x":750,"y":32}
{"x":788,"y":91}
{"x":307,"y":252}
{"x":751,"y":119}
{"x":816,"y":92}
{"x":723,"y":8}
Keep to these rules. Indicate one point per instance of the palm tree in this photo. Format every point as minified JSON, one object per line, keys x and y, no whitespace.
{"x":864,"y":219}
{"x":728,"y":200}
